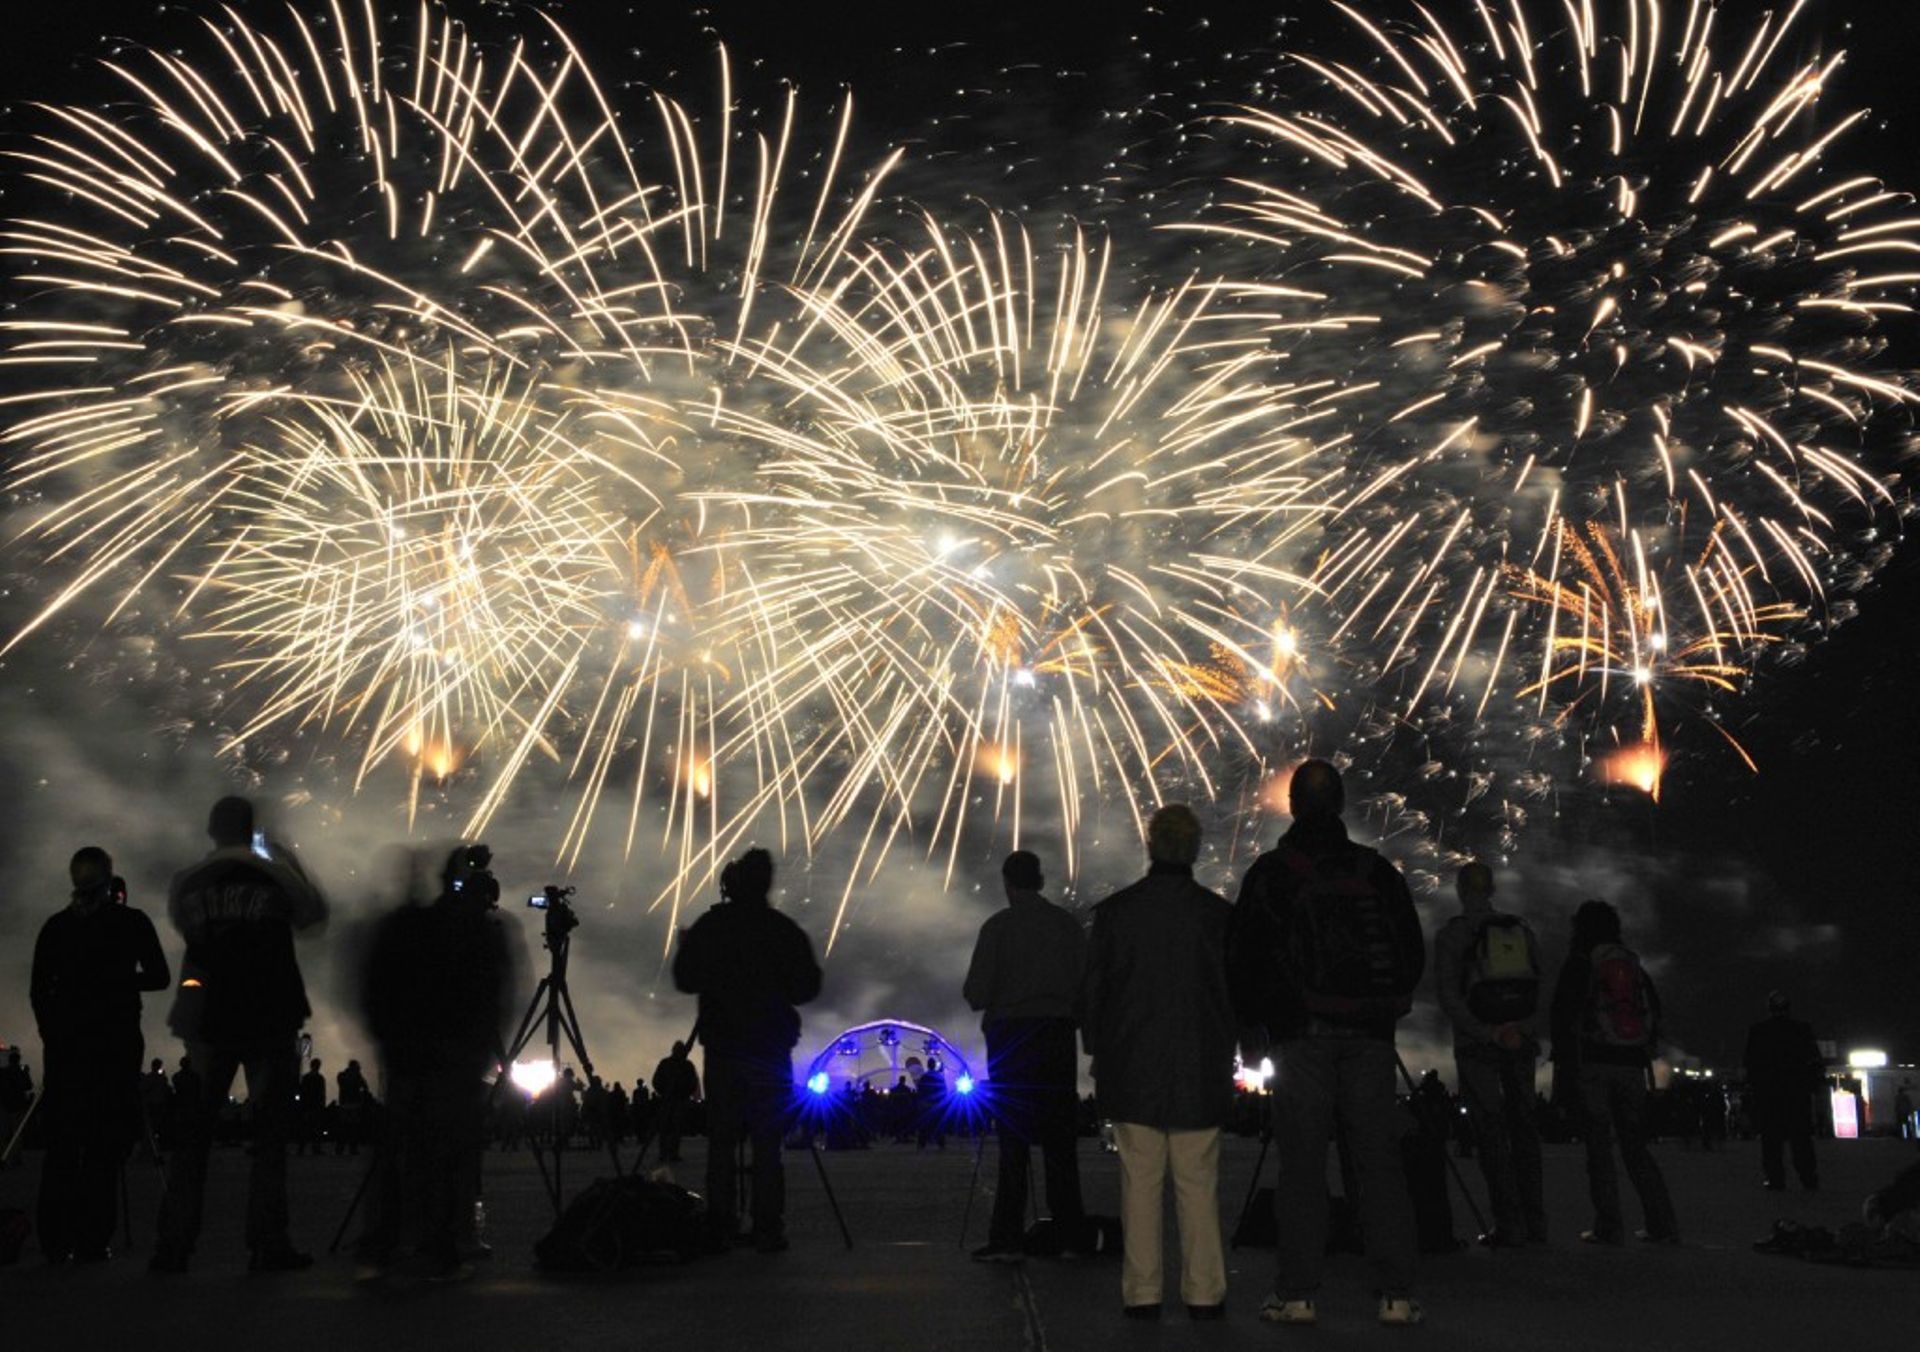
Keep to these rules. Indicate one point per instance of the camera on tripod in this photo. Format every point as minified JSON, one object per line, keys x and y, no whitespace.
{"x":561,"y":921}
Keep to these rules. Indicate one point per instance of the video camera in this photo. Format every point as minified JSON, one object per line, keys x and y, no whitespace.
{"x":554,"y":900}
{"x":470,"y":876}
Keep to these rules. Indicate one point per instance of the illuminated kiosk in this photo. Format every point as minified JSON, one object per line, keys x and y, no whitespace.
{"x":873,"y":1053}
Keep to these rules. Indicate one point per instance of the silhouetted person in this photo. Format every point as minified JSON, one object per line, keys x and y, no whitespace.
{"x":1903,"y":1109}
{"x":187,"y":1086}
{"x":434,"y":998}
{"x":930,"y":1107}
{"x":1025,"y":979}
{"x":1784,"y":1067}
{"x":241,"y":1004}
{"x":750,"y":966}
{"x":90,"y":963}
{"x":1157,"y":1019}
{"x":156,"y":1103}
{"x":1486,"y":969}
{"x":352,"y":1104}
{"x":1606,"y":1028}
{"x":1324,"y":953}
{"x":312,"y":1108}
{"x":16,"y":1096}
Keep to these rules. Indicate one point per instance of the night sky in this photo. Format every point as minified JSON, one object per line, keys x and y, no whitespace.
{"x":1803,"y":877}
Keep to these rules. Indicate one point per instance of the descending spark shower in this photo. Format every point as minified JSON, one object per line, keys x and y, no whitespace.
{"x":1521,"y":382}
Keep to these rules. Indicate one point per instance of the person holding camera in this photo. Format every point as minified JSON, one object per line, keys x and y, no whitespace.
{"x":241,"y":1003}
{"x":750,"y":966}
{"x":91,"y":962}
{"x":435,"y":998}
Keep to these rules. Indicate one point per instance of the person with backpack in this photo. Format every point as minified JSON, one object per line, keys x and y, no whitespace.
{"x":1324,"y":952}
{"x":1157,"y":1019}
{"x":1606,"y":1027}
{"x":1487,"y":971}
{"x":1784,"y":1067}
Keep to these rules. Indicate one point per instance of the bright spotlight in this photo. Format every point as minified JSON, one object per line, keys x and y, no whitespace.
{"x":533,"y":1078}
{"x":817,"y":1082}
{"x":963,"y":1085}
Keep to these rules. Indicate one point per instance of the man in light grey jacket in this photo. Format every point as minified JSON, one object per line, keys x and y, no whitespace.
{"x":1025,"y":977}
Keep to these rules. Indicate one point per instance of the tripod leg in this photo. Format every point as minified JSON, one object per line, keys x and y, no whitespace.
{"x":973,"y":1188}
{"x":1453,"y":1165}
{"x":126,"y":1210}
{"x":1253,"y":1185}
{"x":820,"y":1167}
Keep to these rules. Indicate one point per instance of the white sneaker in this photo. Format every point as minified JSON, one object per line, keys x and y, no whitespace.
{"x":1400,"y":1310}
{"x":1278,"y":1311}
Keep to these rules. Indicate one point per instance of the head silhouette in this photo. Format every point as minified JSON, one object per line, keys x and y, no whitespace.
{"x":752,"y":876}
{"x":91,"y":869}
{"x":1173,"y":835}
{"x":231,"y":822}
{"x":1778,"y":1002}
{"x":1021,"y":872}
{"x":1474,"y":885}
{"x":1595,"y":923}
{"x":1315,"y":792}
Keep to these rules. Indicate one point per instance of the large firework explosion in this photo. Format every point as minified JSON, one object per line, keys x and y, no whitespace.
{"x":466,"y":411}
{"x":1618,"y":334}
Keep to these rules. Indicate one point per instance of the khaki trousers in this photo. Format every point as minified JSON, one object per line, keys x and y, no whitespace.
{"x":1147,"y":1156}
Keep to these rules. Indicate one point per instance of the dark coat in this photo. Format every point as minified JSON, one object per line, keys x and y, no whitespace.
{"x":1782,"y":1057}
{"x":1154,"y":1010}
{"x":750,"y":965}
{"x":1266,"y":993}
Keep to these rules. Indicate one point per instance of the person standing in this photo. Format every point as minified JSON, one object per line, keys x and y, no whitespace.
{"x":16,"y":1096}
{"x":352,"y":1105}
{"x":241,"y":1003}
{"x":311,"y":1101}
{"x":1606,"y":1025}
{"x":435,"y":999}
{"x":676,"y":1084}
{"x":751,"y":966}
{"x":1324,"y":954}
{"x":156,"y":1103}
{"x":91,"y":962}
{"x":1024,"y":978}
{"x":1487,"y":972}
{"x":1783,"y":1069}
{"x":1158,"y":1021}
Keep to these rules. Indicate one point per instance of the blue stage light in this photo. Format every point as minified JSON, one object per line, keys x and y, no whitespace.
{"x":963,"y":1085}
{"x":818,"y":1082}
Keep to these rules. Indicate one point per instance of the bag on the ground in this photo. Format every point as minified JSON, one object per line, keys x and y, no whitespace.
{"x":620,"y":1223}
{"x":1095,"y":1235}
{"x":1342,"y":944}
{"x":1503,"y":972}
{"x":1619,"y":1000}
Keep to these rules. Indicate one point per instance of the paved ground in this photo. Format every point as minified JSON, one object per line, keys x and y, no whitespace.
{"x":907,"y":1285}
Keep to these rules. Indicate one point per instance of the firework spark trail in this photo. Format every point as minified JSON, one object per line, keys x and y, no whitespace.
{"x":1606,"y":294}
{"x":465,"y":414}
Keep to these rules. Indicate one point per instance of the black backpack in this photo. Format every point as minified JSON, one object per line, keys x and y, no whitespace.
{"x":621,"y":1223}
{"x":1342,"y":946}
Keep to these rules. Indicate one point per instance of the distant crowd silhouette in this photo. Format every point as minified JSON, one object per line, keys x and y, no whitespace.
{"x":1308,"y":971}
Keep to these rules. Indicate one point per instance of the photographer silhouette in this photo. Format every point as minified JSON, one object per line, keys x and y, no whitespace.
{"x":750,"y":966}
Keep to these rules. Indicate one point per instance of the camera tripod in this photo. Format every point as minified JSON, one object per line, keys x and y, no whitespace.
{"x":1266,"y":1141}
{"x":552,"y":1007}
